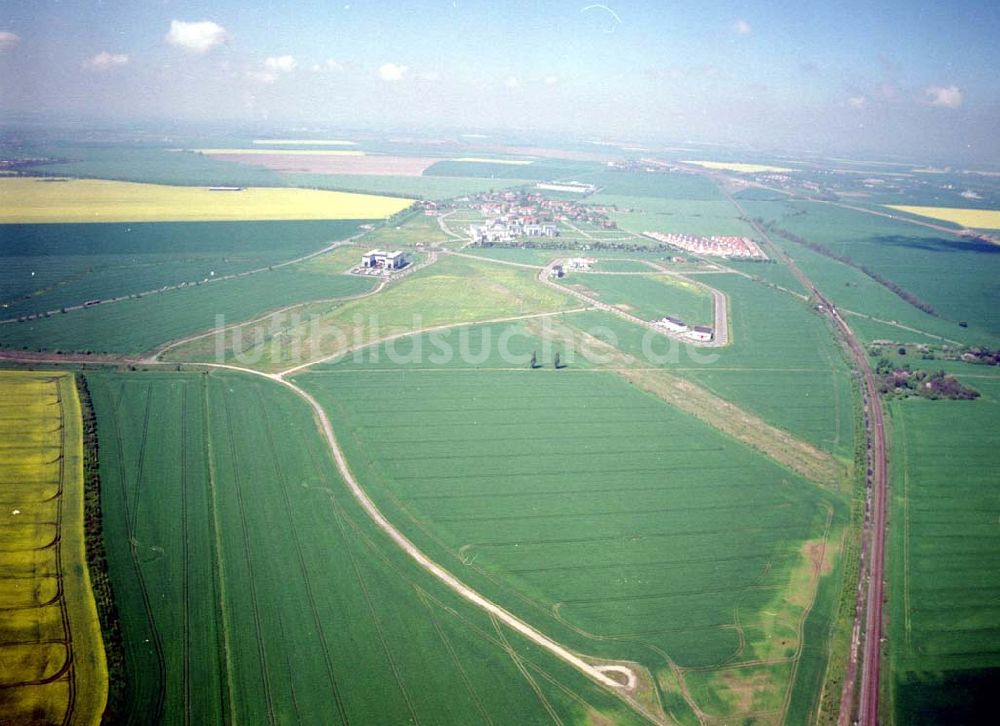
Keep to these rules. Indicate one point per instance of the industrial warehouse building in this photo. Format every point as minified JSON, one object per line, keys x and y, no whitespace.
{"x":380,"y":259}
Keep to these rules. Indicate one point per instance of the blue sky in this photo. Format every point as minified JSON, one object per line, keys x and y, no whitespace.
{"x":917,"y":78}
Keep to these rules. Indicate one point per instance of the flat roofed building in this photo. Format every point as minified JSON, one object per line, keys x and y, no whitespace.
{"x":701,"y":333}
{"x":383,"y":259}
{"x":672,"y":324}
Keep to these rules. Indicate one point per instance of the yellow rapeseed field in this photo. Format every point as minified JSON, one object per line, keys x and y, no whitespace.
{"x":481,"y":160}
{"x":972,"y":218}
{"x":29,"y":200}
{"x":282,"y":152}
{"x":735,"y":166}
{"x":44,"y":629}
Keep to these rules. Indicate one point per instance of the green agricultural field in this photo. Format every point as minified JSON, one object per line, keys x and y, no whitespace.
{"x":413,"y":187}
{"x":613,"y":265}
{"x":782,"y":363}
{"x":45,"y":267}
{"x":123,"y":162}
{"x":619,"y":525}
{"x":662,"y":186}
{"x":139,"y":325}
{"x":957,"y":277}
{"x":684,"y":216}
{"x":944,"y":587}
{"x":649,"y":297}
{"x":451,"y":291}
{"x":221,"y":510}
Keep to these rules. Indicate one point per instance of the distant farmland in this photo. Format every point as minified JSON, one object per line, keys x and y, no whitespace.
{"x":52,"y":665}
{"x":620,"y":525}
{"x":31,"y":200}
{"x":223,"y":512}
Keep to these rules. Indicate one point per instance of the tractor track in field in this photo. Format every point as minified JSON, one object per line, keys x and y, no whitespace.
{"x":314,"y":610}
{"x":186,"y":563}
{"x":63,"y":610}
{"x":247,"y":552}
{"x":134,"y":556}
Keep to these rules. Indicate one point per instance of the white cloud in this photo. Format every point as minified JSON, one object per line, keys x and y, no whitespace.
{"x":551,"y":80}
{"x":431,"y":76}
{"x":198,"y":37}
{"x":742,"y":27}
{"x":327,"y":66}
{"x":105,"y":61}
{"x":511,"y":82}
{"x":266,"y":77}
{"x":392,"y":72}
{"x":280,"y":64}
{"x":858,"y":102}
{"x":943,"y":96}
{"x":8,"y":40}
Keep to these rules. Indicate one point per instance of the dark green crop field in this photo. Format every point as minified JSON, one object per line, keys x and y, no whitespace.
{"x":139,"y":325}
{"x":944,"y":553}
{"x":45,"y":267}
{"x":617,"y":524}
{"x":253,"y":589}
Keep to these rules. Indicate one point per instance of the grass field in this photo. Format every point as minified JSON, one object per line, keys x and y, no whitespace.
{"x":454,"y":290}
{"x":604,"y":517}
{"x":649,"y":297}
{"x":52,"y":665}
{"x":222,"y":509}
{"x":740,"y":167}
{"x":973,"y":218}
{"x":30,"y":200}
{"x":944,"y":646}
{"x":45,"y":267}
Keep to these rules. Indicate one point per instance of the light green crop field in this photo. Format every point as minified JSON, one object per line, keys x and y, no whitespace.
{"x":452,"y":291}
{"x":253,"y":589}
{"x":944,"y":646}
{"x":648,"y":297}
{"x":684,"y":216}
{"x":782,"y":363}
{"x":52,"y":663}
{"x":617,"y":524}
